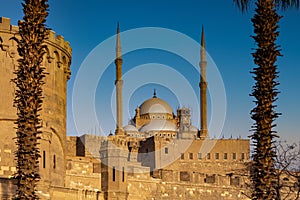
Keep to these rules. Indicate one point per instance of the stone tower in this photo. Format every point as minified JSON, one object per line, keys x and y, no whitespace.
{"x":57,"y":62}
{"x":119,"y":85}
{"x":203,"y":88}
{"x":114,"y":155}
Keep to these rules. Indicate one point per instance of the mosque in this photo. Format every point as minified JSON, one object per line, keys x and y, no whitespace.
{"x":160,"y":154}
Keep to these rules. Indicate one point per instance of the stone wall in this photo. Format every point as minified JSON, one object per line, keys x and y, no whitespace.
{"x":75,"y":194}
{"x":7,"y":188}
{"x":88,"y":145}
{"x":71,"y":146}
{"x":83,"y":173}
{"x":159,"y":190}
{"x":220,"y":156}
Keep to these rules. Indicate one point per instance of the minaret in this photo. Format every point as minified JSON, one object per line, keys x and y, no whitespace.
{"x":203,"y":88}
{"x":119,"y":84}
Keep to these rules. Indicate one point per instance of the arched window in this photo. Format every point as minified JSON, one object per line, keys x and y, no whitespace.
{"x":57,"y":58}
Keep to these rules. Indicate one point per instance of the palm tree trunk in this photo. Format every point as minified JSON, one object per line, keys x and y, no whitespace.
{"x":265,"y":22}
{"x":28,"y":96}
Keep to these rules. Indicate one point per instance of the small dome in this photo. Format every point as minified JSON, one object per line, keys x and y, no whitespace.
{"x":159,"y":125}
{"x":193,"y":129}
{"x":130,"y":128}
{"x":155,"y":105}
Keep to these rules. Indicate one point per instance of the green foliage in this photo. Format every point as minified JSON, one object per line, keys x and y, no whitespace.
{"x":28,"y":95}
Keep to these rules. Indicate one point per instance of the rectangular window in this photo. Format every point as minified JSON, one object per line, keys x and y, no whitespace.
{"x":54,"y":162}
{"x":235,"y":181}
{"x":123,"y":174}
{"x":185,"y":176}
{"x":199,"y":156}
{"x":44,"y":159}
{"x":225,"y":156}
{"x":217,"y":156}
{"x":234,"y":156}
{"x":114,"y":174}
{"x":243,"y":156}
{"x":210,"y":179}
{"x":191,"y":156}
{"x":166,"y":150}
{"x":182,"y":156}
{"x":208,"y":156}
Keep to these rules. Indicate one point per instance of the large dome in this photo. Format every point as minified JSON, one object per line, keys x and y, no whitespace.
{"x":155,"y":105}
{"x":158,"y":125}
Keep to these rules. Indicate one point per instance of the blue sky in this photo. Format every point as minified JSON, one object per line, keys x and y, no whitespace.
{"x":85,"y":24}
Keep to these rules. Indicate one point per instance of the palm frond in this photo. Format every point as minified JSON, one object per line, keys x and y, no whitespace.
{"x":14,"y":39}
{"x":285,"y":4}
{"x":242,"y":4}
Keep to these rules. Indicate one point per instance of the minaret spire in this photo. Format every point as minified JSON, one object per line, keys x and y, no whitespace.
{"x":119,"y":85}
{"x":118,"y":45}
{"x":203,"y":88}
{"x":203,"y":39}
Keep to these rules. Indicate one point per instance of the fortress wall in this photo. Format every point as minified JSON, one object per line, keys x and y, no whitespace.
{"x":192,"y":177}
{"x":206,"y":156}
{"x":71,"y":146}
{"x":177,"y":191}
{"x":83,"y":173}
{"x":59,"y":193}
{"x":91,"y":145}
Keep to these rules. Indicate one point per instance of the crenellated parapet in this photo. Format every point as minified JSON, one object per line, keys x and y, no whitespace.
{"x":58,"y":49}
